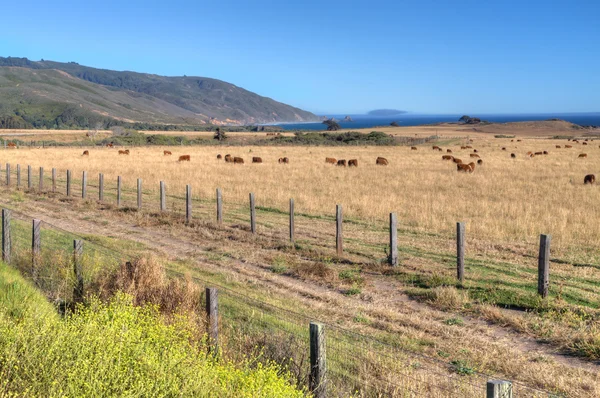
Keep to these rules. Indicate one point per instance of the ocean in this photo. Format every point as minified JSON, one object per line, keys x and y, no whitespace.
{"x":367,"y":121}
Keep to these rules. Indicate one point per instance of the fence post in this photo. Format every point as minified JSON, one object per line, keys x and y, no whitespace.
{"x":317,"y":379}
{"x":219,"y":206}
{"x":77,"y":254}
{"x":188,"y":204}
{"x":499,"y":389}
{"x":41,"y":179}
{"x":101,"y":187}
{"x":544,"y":266}
{"x":35,"y":246}
{"x":163,"y":197}
{"x":6,"y":246}
{"x":29,"y":182}
{"x":84,"y":185}
{"x":53,"y":179}
{"x":292,"y":226}
{"x":139,"y":194}
{"x":8,"y":174}
{"x":338,"y":231}
{"x":68,"y":182}
{"x":460,"y":251}
{"x":118,"y":191}
{"x":212,"y":315}
{"x":18,"y":176}
{"x":252,"y":214}
{"x":393,"y":260}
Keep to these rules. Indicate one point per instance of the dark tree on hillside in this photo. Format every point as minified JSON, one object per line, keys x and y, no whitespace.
{"x":394,"y":124}
{"x":332,"y":125}
{"x":220,"y":134}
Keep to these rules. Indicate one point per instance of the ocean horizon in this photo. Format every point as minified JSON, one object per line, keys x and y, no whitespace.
{"x":408,"y":119}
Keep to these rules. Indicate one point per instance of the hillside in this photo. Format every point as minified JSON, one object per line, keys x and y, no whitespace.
{"x":54,"y":95}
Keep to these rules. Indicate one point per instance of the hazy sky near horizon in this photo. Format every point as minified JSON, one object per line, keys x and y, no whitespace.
{"x":423,"y":56}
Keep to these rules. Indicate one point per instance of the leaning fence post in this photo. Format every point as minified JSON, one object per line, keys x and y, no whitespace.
{"x":101,"y":187}
{"x":460,"y":251}
{"x":68,"y":182}
{"x":317,"y":379}
{"x":53,"y":179}
{"x":8,"y":174}
{"x":35,"y":246}
{"x":41,"y":179}
{"x":499,"y":389}
{"x":84,"y":185}
{"x":18,"y":176}
{"x":393,"y":260}
{"x":188,"y":204}
{"x":544,"y":266}
{"x":6,"y":246}
{"x":292,"y":226}
{"x":338,"y":231}
{"x":118,"y":191}
{"x":212,"y":315}
{"x":163,"y":197}
{"x":219,"y":206}
{"x":139,"y":194}
{"x":252,"y":214}
{"x":77,"y":255}
{"x":29,"y":182}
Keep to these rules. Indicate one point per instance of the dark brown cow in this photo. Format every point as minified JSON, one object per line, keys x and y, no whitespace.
{"x":237,"y":160}
{"x":474,"y":155}
{"x":545,"y":152}
{"x":463,"y":147}
{"x":86,"y":153}
{"x":538,"y":153}
{"x":558,"y":146}
{"x":589,"y":179}
{"x":341,"y":162}
{"x":568,"y":146}
{"x":184,"y":158}
{"x":447,"y":157}
{"x":480,"y":161}
{"x":229,"y":158}
{"x":413,"y":148}
{"x":585,"y":143}
{"x":284,"y":160}
{"x":435,"y":147}
{"x":219,"y":156}
{"x":583,"y":155}
{"x":256,"y":159}
{"x":167,"y":153}
{"x":448,"y":151}
{"x":353,"y":162}
{"x":518,"y":140}
{"x":475,"y":151}
{"x":512,"y":155}
{"x":504,"y":148}
{"x":466,"y":168}
{"x":381,"y":161}
{"x":330,"y":160}
{"x":456,"y":160}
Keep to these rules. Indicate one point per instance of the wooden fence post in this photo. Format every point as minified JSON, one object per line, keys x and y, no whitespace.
{"x":29,"y":182}
{"x":252,"y":214}
{"x":139,"y":194}
{"x":188,"y":204}
{"x":338,"y":231}
{"x":8,"y":174}
{"x":499,"y":389}
{"x":212,"y":316}
{"x":393,"y":259}
{"x":77,"y":255}
{"x":544,"y":266}
{"x":35,"y":247}
{"x":118,"y":191}
{"x":460,"y":251}
{"x":101,"y":187}
{"x":18,"y":176}
{"x":219,"y":206}
{"x":84,"y":185}
{"x":41,"y":179}
{"x":163,"y":197}
{"x":68,"y":182}
{"x":6,"y":243}
{"x":53,"y":179}
{"x":292,"y":225}
{"x":317,"y":382}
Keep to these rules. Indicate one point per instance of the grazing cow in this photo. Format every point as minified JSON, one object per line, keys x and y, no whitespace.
{"x":456,"y":160}
{"x":463,"y":147}
{"x":447,"y":157}
{"x":448,"y":151}
{"x":466,"y":168}
{"x":512,"y":155}
{"x":436,"y":147}
{"x":125,"y":152}
{"x":353,"y":162}
{"x":413,"y":148}
{"x":219,"y":156}
{"x":474,"y":155}
{"x":229,"y":158}
{"x":512,"y":140}
{"x":12,"y":145}
{"x":469,"y":147}
{"x":504,"y":148}
{"x":475,"y":151}
{"x":109,"y":145}
{"x":583,"y":155}
{"x":341,"y":162}
{"x":381,"y":161}
{"x":237,"y":160}
{"x":518,"y":140}
{"x":330,"y":160}
{"x":558,"y":146}
{"x":256,"y":159}
{"x":184,"y":158}
{"x":585,"y":143}
{"x":284,"y":160}
{"x":167,"y":153}
{"x":86,"y":153}
{"x":480,"y":161}
{"x":545,"y":152}
{"x":440,"y":149}
{"x":589,"y":179}
{"x":568,"y":146}
{"x":539,"y":153}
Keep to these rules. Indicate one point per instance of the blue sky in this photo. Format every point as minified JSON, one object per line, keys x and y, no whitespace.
{"x":337,"y":57}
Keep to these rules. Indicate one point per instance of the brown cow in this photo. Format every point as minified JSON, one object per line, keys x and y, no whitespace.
{"x":475,"y":151}
{"x":504,"y":148}
{"x":330,"y":160}
{"x":381,"y":161}
{"x":583,"y":155}
{"x":413,"y":148}
{"x":539,"y":153}
{"x":568,"y":146}
{"x":435,"y":147}
{"x":229,"y":158}
{"x":474,"y":155}
{"x":447,"y":157}
{"x":110,"y":145}
{"x":589,"y":179}
{"x":512,"y":155}
{"x":125,"y":152}
{"x":545,"y":152}
{"x":185,"y":158}
{"x":167,"y":153}
{"x":86,"y":153}
{"x":353,"y":162}
{"x":448,"y":151}
{"x":558,"y":146}
{"x":341,"y":162}
{"x":237,"y":160}
{"x":480,"y":161}
{"x":469,"y":147}
{"x":465,"y":167}
{"x":256,"y":159}
{"x":463,"y":147}
{"x":585,"y":143}
{"x":518,"y":140}
{"x":284,"y":160}
{"x":456,"y":160}
{"x":219,"y":156}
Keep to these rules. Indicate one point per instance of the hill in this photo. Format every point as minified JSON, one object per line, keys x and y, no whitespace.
{"x":49,"y":94}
